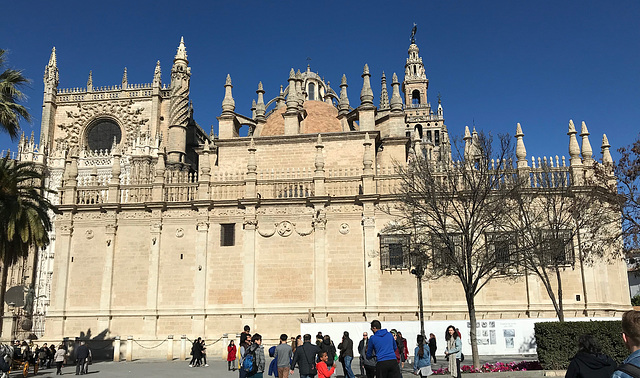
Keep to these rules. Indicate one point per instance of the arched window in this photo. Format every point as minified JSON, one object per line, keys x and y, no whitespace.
{"x":436,"y":137}
{"x":101,"y":133}
{"x":415,"y":98}
{"x":312,"y":91}
{"x":418,"y":129}
{"x":429,"y":136}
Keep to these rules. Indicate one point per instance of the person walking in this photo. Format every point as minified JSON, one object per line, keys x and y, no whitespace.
{"x":203,"y":353}
{"x":82,"y":353}
{"x":346,"y":355}
{"x":422,"y":358}
{"x":231,"y":356}
{"x":384,"y":346}
{"x":305,"y":358}
{"x":453,"y":351}
{"x":404,"y":349}
{"x":59,"y":358}
{"x":283,"y":356}
{"x":324,"y":369}
{"x":196,"y":353}
{"x":590,"y":362}
{"x":433,"y":346}
{"x":631,"y":337}
{"x":52,"y":354}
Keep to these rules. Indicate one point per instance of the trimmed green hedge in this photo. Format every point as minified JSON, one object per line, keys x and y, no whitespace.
{"x":557,"y":342}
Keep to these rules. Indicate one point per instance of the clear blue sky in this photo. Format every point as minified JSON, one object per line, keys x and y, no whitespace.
{"x":495,"y":63}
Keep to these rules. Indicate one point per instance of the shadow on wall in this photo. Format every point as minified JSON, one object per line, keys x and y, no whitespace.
{"x":101,"y":347}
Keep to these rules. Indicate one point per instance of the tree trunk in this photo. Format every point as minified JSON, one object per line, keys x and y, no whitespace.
{"x":560,"y":310}
{"x":3,"y":287}
{"x":473,"y":330}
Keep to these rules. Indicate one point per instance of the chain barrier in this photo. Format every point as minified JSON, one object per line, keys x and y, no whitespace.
{"x":153,"y":347}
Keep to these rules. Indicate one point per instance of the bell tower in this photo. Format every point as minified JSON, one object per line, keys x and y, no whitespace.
{"x":422,"y":123}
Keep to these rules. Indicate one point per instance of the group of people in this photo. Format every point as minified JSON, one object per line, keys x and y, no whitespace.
{"x":46,"y":355}
{"x":382,"y":355}
{"x":198,"y":353}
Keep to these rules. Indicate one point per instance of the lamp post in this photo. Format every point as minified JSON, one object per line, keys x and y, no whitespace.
{"x":418,"y":271}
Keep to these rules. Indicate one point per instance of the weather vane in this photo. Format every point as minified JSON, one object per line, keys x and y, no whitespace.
{"x":413,"y":33}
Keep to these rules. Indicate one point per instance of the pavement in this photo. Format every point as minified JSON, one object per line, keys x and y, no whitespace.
{"x":217,"y":368}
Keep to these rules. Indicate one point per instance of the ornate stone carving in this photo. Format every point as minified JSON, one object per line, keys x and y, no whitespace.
{"x":156,"y":227}
{"x":110,"y":228}
{"x":296,"y":210}
{"x":180,"y":214}
{"x":179,"y":232}
{"x":86,"y":215}
{"x":89,"y":234}
{"x":228,"y":212}
{"x":369,"y":221}
{"x":65,"y":229}
{"x":202,"y":225}
{"x":135,"y":215}
{"x":285,"y":228}
{"x":344,"y":209}
{"x":124,"y":112}
{"x":251,"y":224}
{"x":344,"y":228}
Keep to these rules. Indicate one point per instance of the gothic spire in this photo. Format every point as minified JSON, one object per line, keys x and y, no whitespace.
{"x":90,"y":82}
{"x":366,"y":94}
{"x":587,"y":151}
{"x":606,"y":155}
{"x":343,"y":104}
{"x":292,"y":102}
{"x":51,"y":71}
{"x":228,"y":103}
{"x":574,"y":149}
{"x":396,"y":100}
{"x":260,"y":108}
{"x":157,"y":75}
{"x":521,"y":151}
{"x":181,"y":54}
{"x":125,"y":80}
{"x":384,"y":96}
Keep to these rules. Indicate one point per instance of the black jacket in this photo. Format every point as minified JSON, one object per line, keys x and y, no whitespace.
{"x":585,"y":365}
{"x":82,"y":352}
{"x":305,"y":358}
{"x":330,"y":349}
{"x":346,"y":347}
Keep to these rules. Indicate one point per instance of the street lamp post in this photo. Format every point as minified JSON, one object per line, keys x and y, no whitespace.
{"x":418,"y":271}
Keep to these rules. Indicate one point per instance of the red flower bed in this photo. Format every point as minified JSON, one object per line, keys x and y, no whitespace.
{"x":497,"y":367}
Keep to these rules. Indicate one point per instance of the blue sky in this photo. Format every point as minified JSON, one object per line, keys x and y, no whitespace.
{"x":494,"y":63}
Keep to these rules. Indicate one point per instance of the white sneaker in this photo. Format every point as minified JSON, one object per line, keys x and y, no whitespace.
{"x":190,"y":365}
{"x":206,"y":365}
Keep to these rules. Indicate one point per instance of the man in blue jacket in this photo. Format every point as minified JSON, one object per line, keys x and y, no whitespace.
{"x":384,"y":345}
{"x":631,"y":337}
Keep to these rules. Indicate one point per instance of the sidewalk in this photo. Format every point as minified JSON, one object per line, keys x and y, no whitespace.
{"x":217,"y":368}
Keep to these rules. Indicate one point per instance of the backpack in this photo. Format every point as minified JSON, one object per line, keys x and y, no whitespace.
{"x":249,"y":363}
{"x":630,"y":369}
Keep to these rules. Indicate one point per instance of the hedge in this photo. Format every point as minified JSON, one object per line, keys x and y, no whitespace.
{"x":557,"y":342}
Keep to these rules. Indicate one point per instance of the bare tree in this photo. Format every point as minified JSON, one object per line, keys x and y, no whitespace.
{"x":628,"y":173}
{"x":448,"y":207}
{"x":559,"y":222}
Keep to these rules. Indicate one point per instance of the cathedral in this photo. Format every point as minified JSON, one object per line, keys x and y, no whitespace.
{"x":164,"y":229}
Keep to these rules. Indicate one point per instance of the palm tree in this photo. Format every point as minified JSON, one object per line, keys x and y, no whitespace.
{"x":10,"y":111}
{"x":24,"y":218}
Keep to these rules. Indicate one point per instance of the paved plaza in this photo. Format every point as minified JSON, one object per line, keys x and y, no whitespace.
{"x":217,"y":368}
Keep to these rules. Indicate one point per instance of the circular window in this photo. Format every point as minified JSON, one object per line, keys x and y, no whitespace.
{"x":101,"y":134}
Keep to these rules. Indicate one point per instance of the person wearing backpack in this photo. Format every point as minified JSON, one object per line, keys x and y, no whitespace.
{"x":253,"y":362}
{"x":630,"y":367}
{"x":590,"y":362}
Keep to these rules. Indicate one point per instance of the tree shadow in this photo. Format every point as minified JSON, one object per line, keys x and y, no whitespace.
{"x":100,"y":345}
